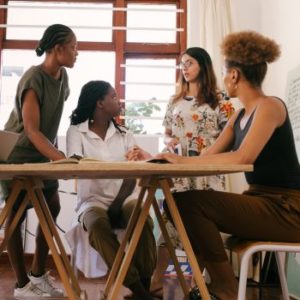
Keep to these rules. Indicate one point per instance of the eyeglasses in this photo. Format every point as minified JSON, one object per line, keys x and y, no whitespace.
{"x":186,"y":64}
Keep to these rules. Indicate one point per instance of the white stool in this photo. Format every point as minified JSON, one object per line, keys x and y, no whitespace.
{"x":249,"y":248}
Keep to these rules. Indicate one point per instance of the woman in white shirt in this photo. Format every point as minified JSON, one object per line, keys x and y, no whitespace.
{"x":103,"y":205}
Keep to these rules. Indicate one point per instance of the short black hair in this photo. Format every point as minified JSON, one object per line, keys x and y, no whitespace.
{"x":91,"y":92}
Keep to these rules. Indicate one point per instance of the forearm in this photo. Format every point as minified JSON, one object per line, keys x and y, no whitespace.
{"x":126,"y":190}
{"x":233,"y":157}
{"x":44,"y":146}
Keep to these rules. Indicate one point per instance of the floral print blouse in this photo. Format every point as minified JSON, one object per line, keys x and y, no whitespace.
{"x":197,"y":127}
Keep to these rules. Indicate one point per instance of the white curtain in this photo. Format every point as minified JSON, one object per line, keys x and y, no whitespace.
{"x":211,"y":20}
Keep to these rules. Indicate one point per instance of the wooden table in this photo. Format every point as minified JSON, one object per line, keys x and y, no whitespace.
{"x":152,"y":176}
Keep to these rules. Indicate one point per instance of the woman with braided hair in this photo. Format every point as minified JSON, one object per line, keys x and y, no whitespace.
{"x":39,"y":102}
{"x":106,"y":204}
{"x":260,"y":134}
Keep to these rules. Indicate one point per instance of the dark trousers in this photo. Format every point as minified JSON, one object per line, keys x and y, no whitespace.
{"x":103,"y":239}
{"x":261,"y":213}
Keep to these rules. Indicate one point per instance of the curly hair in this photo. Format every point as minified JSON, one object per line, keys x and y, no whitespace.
{"x":249,"y":48}
{"x":250,"y":52}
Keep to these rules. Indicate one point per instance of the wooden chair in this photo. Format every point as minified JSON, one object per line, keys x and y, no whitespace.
{"x":248,"y":248}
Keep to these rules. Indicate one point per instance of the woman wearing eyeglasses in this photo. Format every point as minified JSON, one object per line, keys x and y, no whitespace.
{"x":194,"y":119}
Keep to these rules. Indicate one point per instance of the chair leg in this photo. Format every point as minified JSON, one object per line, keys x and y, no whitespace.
{"x":73,"y":265}
{"x":260,"y":276}
{"x":280,"y":259}
{"x":244,"y":275}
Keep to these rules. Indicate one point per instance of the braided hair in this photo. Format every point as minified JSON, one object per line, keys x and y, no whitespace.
{"x":91,"y":92}
{"x":56,"y":34}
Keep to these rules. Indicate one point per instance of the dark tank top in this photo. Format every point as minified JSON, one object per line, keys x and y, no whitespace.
{"x":277,"y":164}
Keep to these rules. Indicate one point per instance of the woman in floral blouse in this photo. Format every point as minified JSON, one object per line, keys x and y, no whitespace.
{"x":194,"y":119}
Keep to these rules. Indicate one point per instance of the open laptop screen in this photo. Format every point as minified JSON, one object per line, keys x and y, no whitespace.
{"x":8,"y":141}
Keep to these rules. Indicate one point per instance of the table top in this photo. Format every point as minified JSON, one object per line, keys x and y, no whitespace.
{"x":116,"y":170}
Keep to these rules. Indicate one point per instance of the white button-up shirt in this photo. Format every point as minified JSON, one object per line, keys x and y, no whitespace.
{"x":84,"y":142}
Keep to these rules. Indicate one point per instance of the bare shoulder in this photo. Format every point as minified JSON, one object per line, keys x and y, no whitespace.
{"x":271,"y":103}
{"x":272,"y":108}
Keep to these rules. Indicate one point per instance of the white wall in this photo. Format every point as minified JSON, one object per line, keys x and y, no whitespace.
{"x":247,"y":14}
{"x":280,"y":21}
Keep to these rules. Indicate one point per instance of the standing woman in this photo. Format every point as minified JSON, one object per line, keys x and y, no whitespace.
{"x":260,"y":133}
{"x":39,"y":103}
{"x":194,"y":119}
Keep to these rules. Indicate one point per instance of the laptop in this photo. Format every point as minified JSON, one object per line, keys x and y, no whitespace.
{"x":8,"y":140}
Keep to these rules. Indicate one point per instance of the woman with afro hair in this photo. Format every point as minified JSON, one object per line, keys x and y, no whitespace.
{"x":260,"y":134}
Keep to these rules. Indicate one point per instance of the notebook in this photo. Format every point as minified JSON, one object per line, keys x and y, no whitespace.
{"x":8,"y":140}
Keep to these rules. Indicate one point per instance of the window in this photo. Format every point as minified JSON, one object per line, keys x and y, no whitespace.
{"x":38,"y":15}
{"x":149,"y":84}
{"x":134,"y":46}
{"x":166,"y":15}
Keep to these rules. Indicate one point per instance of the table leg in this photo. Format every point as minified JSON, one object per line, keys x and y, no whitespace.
{"x":10,"y":230}
{"x":133,"y":242}
{"x":170,"y":248}
{"x":54,"y":232}
{"x":131,"y":223}
{"x":16,"y":189}
{"x":48,"y":226}
{"x":184,"y":238}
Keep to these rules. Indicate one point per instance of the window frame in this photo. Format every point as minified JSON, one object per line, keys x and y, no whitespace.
{"x":119,"y":45}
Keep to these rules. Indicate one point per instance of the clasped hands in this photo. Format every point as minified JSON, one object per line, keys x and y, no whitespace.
{"x":136,"y":153}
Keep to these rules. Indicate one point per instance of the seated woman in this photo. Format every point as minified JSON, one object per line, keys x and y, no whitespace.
{"x":103,"y":203}
{"x":260,"y":134}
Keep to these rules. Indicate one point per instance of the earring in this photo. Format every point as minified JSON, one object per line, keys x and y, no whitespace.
{"x":91,"y":121}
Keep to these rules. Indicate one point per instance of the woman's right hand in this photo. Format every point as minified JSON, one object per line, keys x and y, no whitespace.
{"x":171,"y":144}
{"x":137,"y":153}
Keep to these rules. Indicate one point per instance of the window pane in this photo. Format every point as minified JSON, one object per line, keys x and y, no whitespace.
{"x":86,"y":14}
{"x":14,"y":63}
{"x":89,"y":66}
{"x":151,"y":19}
{"x":149,"y":85}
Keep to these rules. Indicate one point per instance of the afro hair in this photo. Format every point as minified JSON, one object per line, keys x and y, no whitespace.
{"x":249,"y":48}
